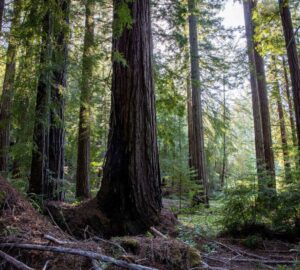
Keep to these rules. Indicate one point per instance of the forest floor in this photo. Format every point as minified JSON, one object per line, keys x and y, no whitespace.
{"x":197,"y":245}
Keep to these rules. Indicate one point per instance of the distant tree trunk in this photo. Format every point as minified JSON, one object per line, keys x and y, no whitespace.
{"x":59,"y":83}
{"x":259,"y":144}
{"x":224,"y":160}
{"x":290,"y":103}
{"x":198,"y":158}
{"x":2,"y":4}
{"x":265,"y":118}
{"x":8,"y":89}
{"x":48,"y":151}
{"x":83,"y":157}
{"x":293,"y":61}
{"x":130,"y":194}
{"x":190,"y":121}
{"x":284,"y":143}
{"x":39,"y":178}
{"x":265,"y":113}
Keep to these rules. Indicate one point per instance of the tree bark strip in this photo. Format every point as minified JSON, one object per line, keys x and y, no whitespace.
{"x":198,"y":159}
{"x":290,"y":103}
{"x":259,"y":145}
{"x":293,"y":61}
{"x":59,"y":84}
{"x":83,"y":157}
{"x":130,"y":194}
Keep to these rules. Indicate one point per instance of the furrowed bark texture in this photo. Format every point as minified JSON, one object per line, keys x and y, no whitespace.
{"x":39,"y":178}
{"x":283,"y":133}
{"x":258,"y":133}
{"x":83,"y":158}
{"x":265,"y":119}
{"x":292,"y":60}
{"x":48,"y":152}
{"x":198,"y":158}
{"x":59,"y":84}
{"x":130,"y":194}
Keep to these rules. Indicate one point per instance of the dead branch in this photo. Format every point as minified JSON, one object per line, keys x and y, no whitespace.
{"x":158,"y":233}
{"x":95,"y":238}
{"x":206,"y":266}
{"x":264,"y":261}
{"x":57,"y":241}
{"x":17,"y":264}
{"x":79,"y":252}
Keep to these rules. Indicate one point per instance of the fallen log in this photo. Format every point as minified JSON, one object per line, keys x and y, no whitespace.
{"x":264,"y":261}
{"x":84,"y":253}
{"x":14,"y":262}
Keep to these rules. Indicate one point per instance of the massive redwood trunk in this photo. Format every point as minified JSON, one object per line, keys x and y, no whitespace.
{"x":83,"y":156}
{"x":130,"y":194}
{"x":259,"y":144}
{"x":39,"y":177}
{"x":198,"y":155}
{"x":59,"y":84}
{"x":293,"y":61}
{"x":8,"y":89}
{"x":48,"y":152}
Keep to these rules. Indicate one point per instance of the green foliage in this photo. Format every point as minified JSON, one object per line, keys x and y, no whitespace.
{"x":287,"y":216}
{"x":123,"y":19}
{"x":241,"y":207}
{"x":253,"y":241}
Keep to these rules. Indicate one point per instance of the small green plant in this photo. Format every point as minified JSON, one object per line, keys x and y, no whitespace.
{"x":242,"y":210}
{"x":253,"y":241}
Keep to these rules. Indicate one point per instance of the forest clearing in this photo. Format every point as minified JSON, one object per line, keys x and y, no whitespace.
{"x":149,"y":135}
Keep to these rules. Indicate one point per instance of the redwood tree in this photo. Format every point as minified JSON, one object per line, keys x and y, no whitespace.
{"x":130,"y":193}
{"x":258,"y":133}
{"x":198,"y":154}
{"x":8,"y":89}
{"x":83,"y":153}
{"x":48,"y":152}
{"x":293,"y":60}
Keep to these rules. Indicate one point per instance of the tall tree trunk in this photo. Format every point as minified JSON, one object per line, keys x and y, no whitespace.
{"x":48,"y":152}
{"x":190,"y":121}
{"x":265,"y":113}
{"x":83,"y":156}
{"x":198,"y":159}
{"x":283,"y":134}
{"x":39,"y":178}
{"x":8,"y":89}
{"x":2,"y":4}
{"x":293,"y":62}
{"x":130,"y":194}
{"x":224,"y":160}
{"x":265,"y":119}
{"x":258,"y":133}
{"x":290,"y":103}
{"x":59,"y":83}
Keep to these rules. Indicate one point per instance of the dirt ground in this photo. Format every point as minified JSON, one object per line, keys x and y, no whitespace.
{"x":21,"y":223}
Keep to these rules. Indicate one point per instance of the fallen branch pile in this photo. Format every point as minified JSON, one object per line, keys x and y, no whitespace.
{"x":93,"y":256}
